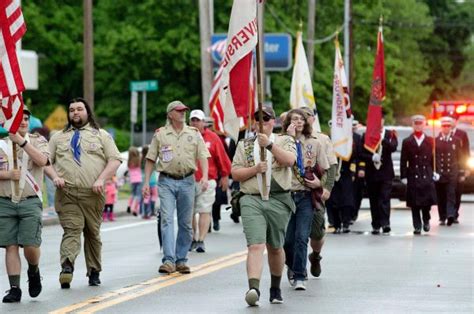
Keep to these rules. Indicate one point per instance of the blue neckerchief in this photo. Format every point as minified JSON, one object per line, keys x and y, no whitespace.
{"x":76,"y":146}
{"x":299,"y":157}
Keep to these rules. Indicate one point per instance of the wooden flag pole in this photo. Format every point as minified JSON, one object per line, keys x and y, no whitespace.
{"x":260,"y":89}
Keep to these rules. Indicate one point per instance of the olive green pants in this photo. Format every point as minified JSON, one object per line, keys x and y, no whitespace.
{"x":80,"y":211}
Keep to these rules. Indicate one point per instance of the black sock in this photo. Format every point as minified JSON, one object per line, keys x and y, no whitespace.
{"x":275,"y":283}
{"x":14,"y":280}
{"x":254,"y":283}
{"x":32,"y":268}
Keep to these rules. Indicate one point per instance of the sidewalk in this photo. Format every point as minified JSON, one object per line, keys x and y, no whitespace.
{"x":51,"y":218}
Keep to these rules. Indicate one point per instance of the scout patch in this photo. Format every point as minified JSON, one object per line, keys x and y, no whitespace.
{"x":166,"y":153}
{"x":190,"y":138}
{"x":309,"y":151}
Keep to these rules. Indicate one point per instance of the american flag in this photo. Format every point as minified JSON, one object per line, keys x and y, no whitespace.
{"x":12,"y":29}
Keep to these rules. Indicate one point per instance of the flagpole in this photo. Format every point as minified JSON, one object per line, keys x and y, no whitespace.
{"x":260,"y":90}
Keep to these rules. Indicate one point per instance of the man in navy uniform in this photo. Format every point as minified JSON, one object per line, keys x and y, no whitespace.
{"x":449,"y":170}
{"x":416,"y":171}
{"x":465,"y":154}
{"x":379,"y":177}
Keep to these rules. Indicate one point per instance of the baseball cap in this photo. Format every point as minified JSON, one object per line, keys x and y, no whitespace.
{"x":307,"y":111}
{"x":176,"y":105}
{"x":26,"y":110}
{"x":198,"y":114}
{"x":266,"y":111}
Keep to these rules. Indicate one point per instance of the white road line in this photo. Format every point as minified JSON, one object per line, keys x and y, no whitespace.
{"x":129,"y":226}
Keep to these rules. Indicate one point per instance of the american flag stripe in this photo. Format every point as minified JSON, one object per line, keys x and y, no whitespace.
{"x":12,"y":108}
{"x":16,"y":21}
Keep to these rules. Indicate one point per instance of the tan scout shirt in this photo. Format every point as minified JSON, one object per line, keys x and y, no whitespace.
{"x":97,"y":149}
{"x":243,"y":158}
{"x":41,"y":144}
{"x":177,"y":153}
{"x":327,"y":146}
{"x":313,"y":153}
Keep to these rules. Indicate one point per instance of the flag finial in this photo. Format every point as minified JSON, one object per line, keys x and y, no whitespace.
{"x":300,"y":26}
{"x":381,"y":20}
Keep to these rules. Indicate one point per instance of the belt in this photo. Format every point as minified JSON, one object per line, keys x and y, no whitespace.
{"x":24,"y":198}
{"x":271,"y":193}
{"x":300,"y":192}
{"x":176,"y":177}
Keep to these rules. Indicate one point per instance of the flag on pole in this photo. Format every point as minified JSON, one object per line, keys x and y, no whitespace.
{"x":373,"y":135}
{"x":12,"y":28}
{"x":341,"y":126}
{"x":234,"y":88}
{"x":301,"y":94}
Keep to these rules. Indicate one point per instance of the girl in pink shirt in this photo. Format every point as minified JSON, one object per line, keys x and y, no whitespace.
{"x":110,"y":199}
{"x":135,"y":176}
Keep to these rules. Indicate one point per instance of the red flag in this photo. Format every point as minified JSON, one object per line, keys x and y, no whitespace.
{"x":377,"y":95}
{"x":235,"y":83}
{"x":12,"y":28}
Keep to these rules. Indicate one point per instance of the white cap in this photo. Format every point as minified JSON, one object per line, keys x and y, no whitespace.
{"x":198,"y":114}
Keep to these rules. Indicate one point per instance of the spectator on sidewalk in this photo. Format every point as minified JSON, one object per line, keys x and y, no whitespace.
{"x":135,"y":177}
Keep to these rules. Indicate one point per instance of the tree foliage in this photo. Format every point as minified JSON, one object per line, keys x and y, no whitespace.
{"x":427,"y":52}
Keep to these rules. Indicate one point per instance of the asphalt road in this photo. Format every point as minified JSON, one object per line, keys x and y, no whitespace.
{"x":362,"y":273}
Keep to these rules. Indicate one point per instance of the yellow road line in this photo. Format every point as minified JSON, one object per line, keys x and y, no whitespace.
{"x":153,"y":285}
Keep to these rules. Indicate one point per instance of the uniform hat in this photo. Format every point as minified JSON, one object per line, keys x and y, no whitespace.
{"x":266,"y":111}
{"x":446,"y":121}
{"x":418,"y":118}
{"x":176,"y":105}
{"x":198,"y":114}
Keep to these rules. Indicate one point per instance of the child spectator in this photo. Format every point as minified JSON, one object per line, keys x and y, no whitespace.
{"x":135,"y":175}
{"x":149,"y":202}
{"x":110,"y":199}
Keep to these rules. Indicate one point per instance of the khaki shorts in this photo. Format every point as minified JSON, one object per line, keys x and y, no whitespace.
{"x":203,"y":200}
{"x":21,"y":224}
{"x":318,"y":228}
{"x":264,"y":221}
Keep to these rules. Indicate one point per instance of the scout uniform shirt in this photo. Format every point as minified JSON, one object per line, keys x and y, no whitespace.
{"x":41,"y":144}
{"x":313,"y":153}
{"x":244,"y":159}
{"x":327,"y":146}
{"x":97,"y":149}
{"x":177,"y":152}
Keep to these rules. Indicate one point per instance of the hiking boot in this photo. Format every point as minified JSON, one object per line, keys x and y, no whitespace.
{"x":315,"y":260}
{"x":94,"y":279}
{"x":275,"y":296}
{"x":13,"y":296}
{"x":65,"y":277}
{"x":167,"y":268}
{"x":252,"y":296}
{"x":34,"y":284}
{"x":300,"y":285}
{"x":200,"y":247}
{"x":182,"y":268}
{"x":290,"y":275}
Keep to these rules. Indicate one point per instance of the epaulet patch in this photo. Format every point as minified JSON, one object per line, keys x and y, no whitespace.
{"x":194,"y":129}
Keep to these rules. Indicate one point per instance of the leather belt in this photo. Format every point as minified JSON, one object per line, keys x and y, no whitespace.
{"x":24,"y":198}
{"x":176,"y":177}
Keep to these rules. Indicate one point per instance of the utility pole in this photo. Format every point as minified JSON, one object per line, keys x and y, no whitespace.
{"x":310,"y":34}
{"x":347,"y":22}
{"x":88,"y":76}
{"x":206,"y":64}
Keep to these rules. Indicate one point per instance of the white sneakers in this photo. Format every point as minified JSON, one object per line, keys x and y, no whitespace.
{"x":300,"y":285}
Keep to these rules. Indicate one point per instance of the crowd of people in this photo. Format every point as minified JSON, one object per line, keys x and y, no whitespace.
{"x":288,"y":184}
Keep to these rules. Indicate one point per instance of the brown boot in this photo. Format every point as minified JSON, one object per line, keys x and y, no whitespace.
{"x":183,"y":268}
{"x":315,"y":260}
{"x":167,"y":268}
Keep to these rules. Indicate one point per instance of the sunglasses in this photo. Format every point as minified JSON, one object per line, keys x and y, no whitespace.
{"x":265,"y":118}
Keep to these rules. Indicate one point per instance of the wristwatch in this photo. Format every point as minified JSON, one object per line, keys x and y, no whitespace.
{"x":269,"y":146}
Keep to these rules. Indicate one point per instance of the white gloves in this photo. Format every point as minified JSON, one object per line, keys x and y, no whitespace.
{"x":376,"y":157}
{"x":404,"y":181}
{"x":436,"y":176}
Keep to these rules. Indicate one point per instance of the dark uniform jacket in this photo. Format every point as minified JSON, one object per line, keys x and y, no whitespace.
{"x":385,"y":172}
{"x":448,"y":158}
{"x":416,"y":165}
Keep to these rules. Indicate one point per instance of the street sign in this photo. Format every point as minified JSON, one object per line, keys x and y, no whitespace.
{"x":57,"y":119}
{"x":144,"y":86}
{"x":277,"y":49}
